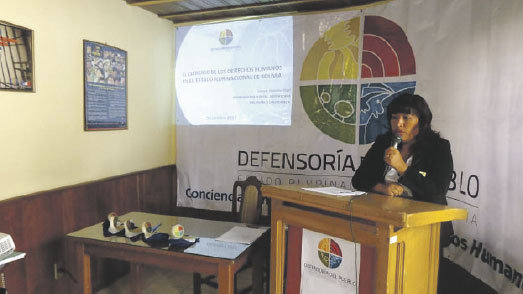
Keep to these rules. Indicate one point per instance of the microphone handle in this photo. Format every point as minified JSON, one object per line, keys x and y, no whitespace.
{"x":396,"y":140}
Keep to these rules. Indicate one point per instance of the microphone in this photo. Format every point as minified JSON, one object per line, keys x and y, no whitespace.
{"x":396,"y":140}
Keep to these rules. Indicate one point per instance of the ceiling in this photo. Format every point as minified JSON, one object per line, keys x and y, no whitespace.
{"x":190,"y":11}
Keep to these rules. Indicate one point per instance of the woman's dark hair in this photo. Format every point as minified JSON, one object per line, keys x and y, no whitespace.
{"x":413,"y":104}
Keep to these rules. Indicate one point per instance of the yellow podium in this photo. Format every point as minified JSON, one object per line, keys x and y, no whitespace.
{"x":402,"y":235}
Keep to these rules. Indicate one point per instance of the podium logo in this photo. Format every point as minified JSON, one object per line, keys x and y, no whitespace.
{"x":226,"y":37}
{"x":329,"y":253}
{"x":380,"y":63}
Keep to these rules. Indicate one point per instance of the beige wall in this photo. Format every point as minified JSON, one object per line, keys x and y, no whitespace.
{"x":42,"y":142}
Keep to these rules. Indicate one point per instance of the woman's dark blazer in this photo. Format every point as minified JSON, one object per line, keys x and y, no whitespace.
{"x":428,"y":176}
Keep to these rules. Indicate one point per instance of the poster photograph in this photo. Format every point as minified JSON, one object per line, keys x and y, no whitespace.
{"x":105,"y":87}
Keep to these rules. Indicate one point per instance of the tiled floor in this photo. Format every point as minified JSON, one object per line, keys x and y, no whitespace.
{"x":161,"y":281}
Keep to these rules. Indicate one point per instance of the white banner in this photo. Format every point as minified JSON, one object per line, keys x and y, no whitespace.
{"x":329,"y":265}
{"x":463,"y":56}
{"x":210,"y":158}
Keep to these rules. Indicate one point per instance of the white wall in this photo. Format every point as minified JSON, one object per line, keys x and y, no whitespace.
{"x":42,"y":141}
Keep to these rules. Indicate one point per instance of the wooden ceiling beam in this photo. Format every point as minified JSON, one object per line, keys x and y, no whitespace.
{"x":143,"y":3}
{"x":266,"y":7}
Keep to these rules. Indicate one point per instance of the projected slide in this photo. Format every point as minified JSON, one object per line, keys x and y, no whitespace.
{"x":235,"y":73}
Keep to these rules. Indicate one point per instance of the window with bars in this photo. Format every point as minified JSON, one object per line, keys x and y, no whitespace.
{"x":16,"y":58}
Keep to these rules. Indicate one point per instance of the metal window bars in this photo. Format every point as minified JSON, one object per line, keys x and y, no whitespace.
{"x":16,"y":63}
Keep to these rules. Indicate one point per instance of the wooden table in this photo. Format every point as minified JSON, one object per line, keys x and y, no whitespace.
{"x":403,"y":233}
{"x":91,"y":242}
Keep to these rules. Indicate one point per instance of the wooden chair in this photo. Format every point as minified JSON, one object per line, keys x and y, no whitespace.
{"x":248,"y":194}
{"x":251,"y":201}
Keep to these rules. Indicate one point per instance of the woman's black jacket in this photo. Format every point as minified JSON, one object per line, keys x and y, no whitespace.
{"x":428,"y":176}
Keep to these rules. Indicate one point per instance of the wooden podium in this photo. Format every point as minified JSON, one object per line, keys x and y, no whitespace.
{"x":403,"y":234}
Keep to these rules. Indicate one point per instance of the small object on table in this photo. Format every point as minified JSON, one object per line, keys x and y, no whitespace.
{"x":112,"y":226}
{"x":177,"y":231}
{"x":178,"y":241}
{"x":152,"y":238}
{"x":132,"y":231}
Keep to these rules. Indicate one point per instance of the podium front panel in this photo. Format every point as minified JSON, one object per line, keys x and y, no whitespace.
{"x":399,"y":238}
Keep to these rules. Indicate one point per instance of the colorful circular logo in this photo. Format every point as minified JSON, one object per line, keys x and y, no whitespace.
{"x":177,"y":231}
{"x":337,"y":66}
{"x":329,"y":253}
{"x":226,"y":37}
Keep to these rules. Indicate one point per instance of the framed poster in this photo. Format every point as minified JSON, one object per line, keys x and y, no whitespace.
{"x":105,"y":87}
{"x":16,"y":58}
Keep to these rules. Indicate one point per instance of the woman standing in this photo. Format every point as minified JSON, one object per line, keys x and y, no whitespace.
{"x":419,"y":167}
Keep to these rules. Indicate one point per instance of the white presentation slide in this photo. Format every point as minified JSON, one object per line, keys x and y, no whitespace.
{"x":235,"y":73}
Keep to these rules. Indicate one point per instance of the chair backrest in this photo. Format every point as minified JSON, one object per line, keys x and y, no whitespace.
{"x":250,"y":198}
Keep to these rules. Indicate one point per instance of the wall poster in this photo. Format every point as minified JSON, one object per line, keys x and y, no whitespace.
{"x":16,"y":58}
{"x":105,"y":87}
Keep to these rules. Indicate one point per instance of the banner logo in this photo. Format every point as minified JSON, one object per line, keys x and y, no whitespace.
{"x":226,"y":37}
{"x":332,"y":72}
{"x":329,"y":253}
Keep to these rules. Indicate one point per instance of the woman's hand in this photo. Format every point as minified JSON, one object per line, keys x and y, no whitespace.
{"x":393,"y":158}
{"x":393,"y":189}
{"x":389,"y":189}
